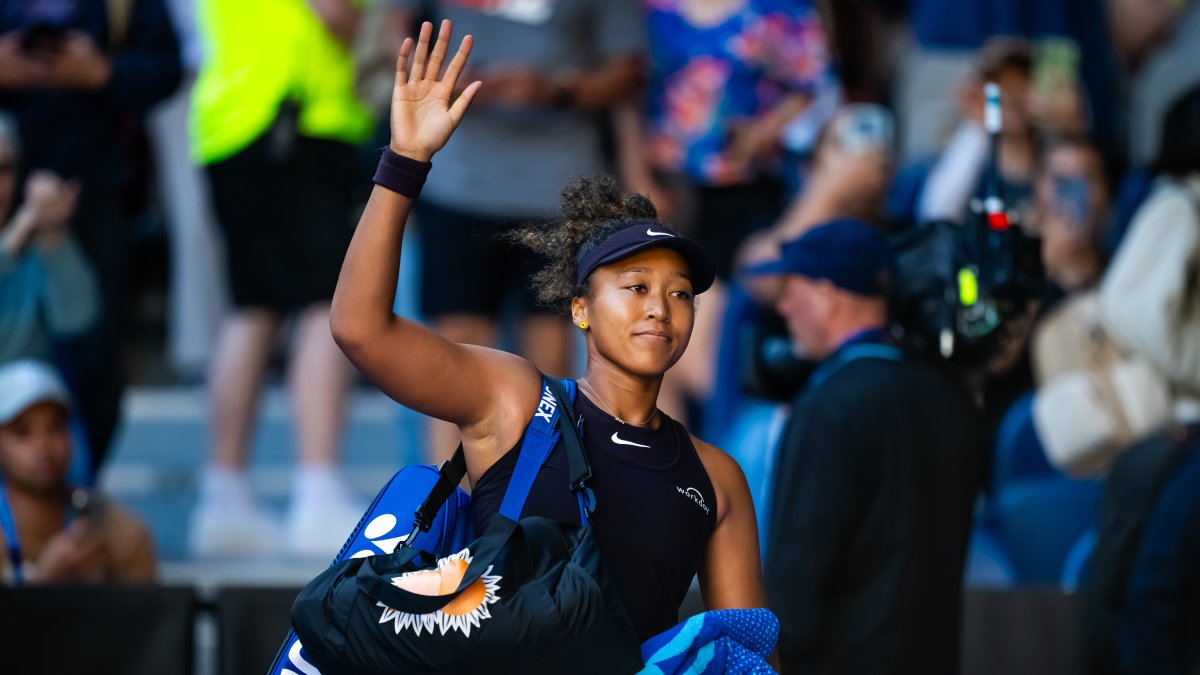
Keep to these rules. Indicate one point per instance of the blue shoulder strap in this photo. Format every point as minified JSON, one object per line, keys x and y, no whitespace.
{"x":9,"y":525}
{"x":871,"y":350}
{"x":540,"y":439}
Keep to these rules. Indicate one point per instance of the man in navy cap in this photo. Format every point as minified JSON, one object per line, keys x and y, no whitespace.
{"x":875,"y":478}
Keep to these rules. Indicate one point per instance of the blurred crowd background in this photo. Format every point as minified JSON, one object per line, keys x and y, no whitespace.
{"x":179,"y":180}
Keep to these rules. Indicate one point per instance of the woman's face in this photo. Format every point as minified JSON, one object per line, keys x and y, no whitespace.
{"x":640,"y":311}
{"x":1072,"y":203}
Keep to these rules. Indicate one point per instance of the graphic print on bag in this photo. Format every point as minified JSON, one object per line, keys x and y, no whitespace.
{"x":462,"y":613}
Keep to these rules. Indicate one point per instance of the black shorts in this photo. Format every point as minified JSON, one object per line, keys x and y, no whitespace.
{"x":468,"y":268}
{"x":287,"y":224}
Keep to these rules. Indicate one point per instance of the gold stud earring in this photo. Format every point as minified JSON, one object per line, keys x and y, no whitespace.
{"x":583,"y":325}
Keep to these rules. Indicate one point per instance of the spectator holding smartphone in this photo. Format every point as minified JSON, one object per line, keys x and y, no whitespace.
{"x":1071,"y":214}
{"x":78,"y":76}
{"x":47,"y":288}
{"x":52,"y":533}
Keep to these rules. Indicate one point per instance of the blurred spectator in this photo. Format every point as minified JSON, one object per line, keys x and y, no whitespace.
{"x":1072,"y":212}
{"x":78,"y":76}
{"x":274,"y":122}
{"x":1160,"y":630}
{"x":726,"y":81}
{"x":1150,"y":296}
{"x":54,"y":534}
{"x":1160,"y":43}
{"x":941,"y":187}
{"x":872,"y":503}
{"x":550,"y":70}
{"x":1132,"y":491}
{"x":46,"y":285}
{"x":848,"y":177}
{"x":1142,"y":599}
{"x":1094,"y":398}
{"x":198,"y":292}
{"x":946,"y":35}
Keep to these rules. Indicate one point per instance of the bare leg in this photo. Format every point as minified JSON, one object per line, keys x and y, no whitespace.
{"x":319,"y":380}
{"x":235,"y":382}
{"x":471,"y":329}
{"x":226,"y":520}
{"x":323,"y":507}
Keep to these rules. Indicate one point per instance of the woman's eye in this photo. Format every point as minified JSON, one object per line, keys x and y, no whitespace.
{"x":684,"y":295}
{"x":636,"y":288}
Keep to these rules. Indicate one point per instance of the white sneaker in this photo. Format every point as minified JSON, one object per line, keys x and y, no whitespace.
{"x":232,"y":529}
{"x":321,"y":516}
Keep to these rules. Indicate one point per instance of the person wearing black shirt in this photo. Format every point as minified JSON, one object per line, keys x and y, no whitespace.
{"x":670,"y":506}
{"x":875,"y":479}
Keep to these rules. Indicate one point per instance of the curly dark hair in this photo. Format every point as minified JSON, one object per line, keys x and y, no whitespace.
{"x":592,"y":209}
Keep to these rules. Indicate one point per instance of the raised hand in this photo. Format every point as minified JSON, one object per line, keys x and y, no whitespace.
{"x":423,"y":117}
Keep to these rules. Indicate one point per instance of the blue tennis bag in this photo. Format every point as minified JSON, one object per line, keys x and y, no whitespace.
{"x":441,"y":529}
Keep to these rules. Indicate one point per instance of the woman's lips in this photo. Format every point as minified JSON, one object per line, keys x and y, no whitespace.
{"x":654,"y":336}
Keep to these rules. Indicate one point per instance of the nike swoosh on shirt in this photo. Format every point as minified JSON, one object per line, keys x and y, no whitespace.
{"x":652,"y":233}
{"x":620,"y":441}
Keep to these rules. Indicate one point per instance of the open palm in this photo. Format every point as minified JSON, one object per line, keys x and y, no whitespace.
{"x":423,"y":117}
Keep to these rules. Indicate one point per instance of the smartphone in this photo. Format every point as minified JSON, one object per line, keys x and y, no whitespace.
{"x":89,"y":504}
{"x":38,"y":37}
{"x":1055,"y":65}
{"x":1072,"y":198}
{"x":864,"y":126}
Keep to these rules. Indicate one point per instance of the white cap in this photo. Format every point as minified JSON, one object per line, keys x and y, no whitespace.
{"x":26,"y":383}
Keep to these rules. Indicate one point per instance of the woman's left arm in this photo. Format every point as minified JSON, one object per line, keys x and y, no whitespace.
{"x":731,"y":574}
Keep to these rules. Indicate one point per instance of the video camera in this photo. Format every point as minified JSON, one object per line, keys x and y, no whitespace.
{"x":958,"y":286}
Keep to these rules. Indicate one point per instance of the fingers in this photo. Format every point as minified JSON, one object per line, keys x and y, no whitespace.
{"x":440,"y":47}
{"x":457,"y":63}
{"x":464,"y":101}
{"x":418,"y":69}
{"x":406,"y":48}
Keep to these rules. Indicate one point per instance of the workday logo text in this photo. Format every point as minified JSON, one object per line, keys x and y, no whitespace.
{"x":694,"y":495}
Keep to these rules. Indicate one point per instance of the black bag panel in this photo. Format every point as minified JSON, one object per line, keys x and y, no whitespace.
{"x":555,"y":609}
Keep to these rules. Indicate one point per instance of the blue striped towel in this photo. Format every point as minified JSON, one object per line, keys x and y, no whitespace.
{"x":710,"y":643}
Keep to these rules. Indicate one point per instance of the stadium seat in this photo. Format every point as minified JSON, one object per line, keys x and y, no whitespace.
{"x":1039,"y":520}
{"x":1075,"y":568}
{"x":988,"y":563}
{"x":1018,"y":453}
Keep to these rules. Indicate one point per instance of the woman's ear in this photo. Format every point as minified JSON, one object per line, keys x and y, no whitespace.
{"x":579,"y":314}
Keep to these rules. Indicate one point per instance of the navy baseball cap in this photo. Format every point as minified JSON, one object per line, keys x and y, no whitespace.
{"x":848,"y":253}
{"x":640,"y":235}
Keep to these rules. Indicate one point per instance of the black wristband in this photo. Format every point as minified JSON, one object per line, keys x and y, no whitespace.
{"x":402,"y":175}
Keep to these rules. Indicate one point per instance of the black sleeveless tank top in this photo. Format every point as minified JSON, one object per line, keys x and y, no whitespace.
{"x":655,"y":508}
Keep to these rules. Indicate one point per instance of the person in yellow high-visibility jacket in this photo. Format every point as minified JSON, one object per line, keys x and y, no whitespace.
{"x":274,"y":121}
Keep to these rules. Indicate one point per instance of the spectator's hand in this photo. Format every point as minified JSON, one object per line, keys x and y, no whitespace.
{"x":423,"y":118}
{"x":340,"y":18}
{"x":18,"y":70}
{"x":1061,"y":109}
{"x":50,"y":201}
{"x":75,"y":554}
{"x":516,"y":87}
{"x":847,"y":180}
{"x":78,"y":64}
{"x":749,"y":141}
